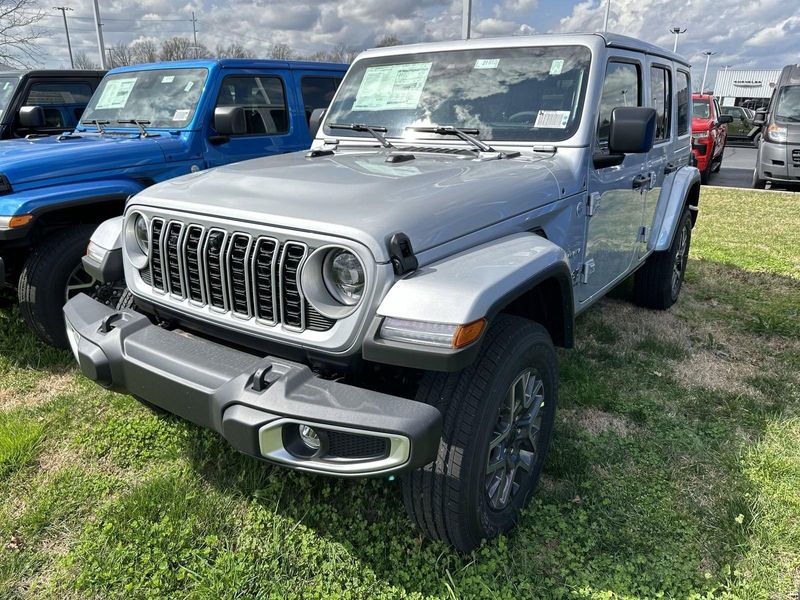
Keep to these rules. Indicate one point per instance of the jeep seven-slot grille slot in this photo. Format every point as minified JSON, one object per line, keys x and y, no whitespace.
{"x":172,"y":267}
{"x":233,"y":272}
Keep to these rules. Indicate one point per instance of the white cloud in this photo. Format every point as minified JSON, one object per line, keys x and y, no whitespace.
{"x":743,"y":32}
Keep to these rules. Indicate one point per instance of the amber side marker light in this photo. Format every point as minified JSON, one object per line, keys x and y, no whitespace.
{"x":19,"y":221}
{"x":466,"y":334}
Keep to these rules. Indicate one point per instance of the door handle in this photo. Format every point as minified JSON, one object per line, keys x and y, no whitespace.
{"x":640,"y":181}
{"x":670,"y":168}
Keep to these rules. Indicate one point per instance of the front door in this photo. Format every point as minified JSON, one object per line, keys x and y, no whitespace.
{"x":616,"y":193}
{"x":266,"y":99}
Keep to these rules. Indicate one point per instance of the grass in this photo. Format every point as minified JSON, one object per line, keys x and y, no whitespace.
{"x":675,"y":470}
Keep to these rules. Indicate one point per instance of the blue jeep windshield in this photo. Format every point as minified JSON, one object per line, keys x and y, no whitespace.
{"x":167,"y":98}
{"x":788,"y":108}
{"x":7,"y":87}
{"x":508,"y":94}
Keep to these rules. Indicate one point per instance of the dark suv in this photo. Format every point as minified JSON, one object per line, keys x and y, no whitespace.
{"x":41,"y":103}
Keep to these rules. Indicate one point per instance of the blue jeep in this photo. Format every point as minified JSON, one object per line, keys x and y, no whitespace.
{"x":143,"y":125}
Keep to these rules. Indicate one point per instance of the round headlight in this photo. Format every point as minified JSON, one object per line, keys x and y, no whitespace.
{"x":344,"y":276}
{"x":141,"y":234}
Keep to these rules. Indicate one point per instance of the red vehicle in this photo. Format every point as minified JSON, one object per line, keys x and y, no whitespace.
{"x":709,"y":134}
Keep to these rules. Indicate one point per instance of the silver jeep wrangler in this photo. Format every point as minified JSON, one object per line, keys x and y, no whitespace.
{"x":389,"y":302}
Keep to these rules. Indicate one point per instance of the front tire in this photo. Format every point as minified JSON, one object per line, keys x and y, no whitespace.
{"x":498,"y":421}
{"x":52,"y":275}
{"x":658,"y":283}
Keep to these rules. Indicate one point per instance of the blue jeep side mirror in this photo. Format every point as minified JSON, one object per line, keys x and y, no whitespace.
{"x":632,"y":130}
{"x":230,"y":120}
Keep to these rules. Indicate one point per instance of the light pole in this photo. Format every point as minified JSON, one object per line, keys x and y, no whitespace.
{"x":466,"y":20}
{"x":64,"y":10}
{"x":101,"y":47}
{"x":677,"y":31}
{"x":608,"y":11}
{"x":708,"y":54}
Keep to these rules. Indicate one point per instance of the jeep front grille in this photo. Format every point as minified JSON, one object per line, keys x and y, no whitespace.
{"x":232,"y":273}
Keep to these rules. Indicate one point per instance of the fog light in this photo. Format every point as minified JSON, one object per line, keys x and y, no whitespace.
{"x":310,"y":437}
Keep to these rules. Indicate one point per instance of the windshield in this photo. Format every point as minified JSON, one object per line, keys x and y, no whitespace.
{"x":700,"y":109}
{"x":513,"y":94}
{"x":166,"y":98}
{"x":7,"y":87}
{"x":788,"y":107}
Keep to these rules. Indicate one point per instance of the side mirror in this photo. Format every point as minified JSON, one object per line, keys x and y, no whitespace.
{"x":632,"y":130}
{"x":724,"y":119}
{"x":31,"y":117}
{"x":230,"y":120}
{"x":760,"y":117}
{"x":317,"y":116}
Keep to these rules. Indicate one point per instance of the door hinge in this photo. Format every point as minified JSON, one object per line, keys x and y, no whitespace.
{"x":592,"y":203}
{"x":644,"y":233}
{"x":587,"y":270}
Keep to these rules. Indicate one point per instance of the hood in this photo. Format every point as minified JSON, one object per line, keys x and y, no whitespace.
{"x":358,"y":195}
{"x":29,"y":161}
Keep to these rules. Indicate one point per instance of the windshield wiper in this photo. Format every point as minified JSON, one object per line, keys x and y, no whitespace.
{"x":464,"y":134}
{"x":140,"y":123}
{"x":97,"y":123}
{"x":376,"y":131}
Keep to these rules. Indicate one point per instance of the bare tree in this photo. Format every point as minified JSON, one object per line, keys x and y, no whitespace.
{"x":232,"y":50}
{"x":281,"y":51}
{"x":181,"y":48}
{"x":144,"y":51}
{"x":342,"y":53}
{"x":389,"y":40}
{"x":120,"y":55}
{"x":18,"y":32}
{"x":84,"y":61}
{"x":319,"y":56}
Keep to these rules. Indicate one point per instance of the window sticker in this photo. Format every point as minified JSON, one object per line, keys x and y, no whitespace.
{"x":168,"y":79}
{"x":188,"y":86}
{"x":557,"y":66}
{"x":392,"y":87}
{"x":181,"y":115}
{"x":552,"y":119}
{"x":116,"y":94}
{"x":487,"y":63}
{"x":6,"y":85}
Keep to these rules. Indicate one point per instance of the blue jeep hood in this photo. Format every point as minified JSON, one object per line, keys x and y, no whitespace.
{"x":29,"y":161}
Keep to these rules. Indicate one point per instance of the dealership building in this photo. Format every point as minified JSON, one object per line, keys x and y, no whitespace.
{"x":749,"y":88}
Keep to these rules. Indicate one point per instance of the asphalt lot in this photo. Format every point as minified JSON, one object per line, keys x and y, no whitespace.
{"x":737,"y":167}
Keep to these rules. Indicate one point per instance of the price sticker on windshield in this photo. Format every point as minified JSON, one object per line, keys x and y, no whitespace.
{"x":392,"y":87}
{"x":552,"y":119}
{"x":181,"y":114}
{"x":116,"y":93}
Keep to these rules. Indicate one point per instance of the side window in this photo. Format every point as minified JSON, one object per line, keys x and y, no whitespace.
{"x":59,"y":99}
{"x":683,"y":97}
{"x":622,"y":87}
{"x":662,"y":101}
{"x":318,"y":92}
{"x":717,"y":111}
{"x":263,"y":101}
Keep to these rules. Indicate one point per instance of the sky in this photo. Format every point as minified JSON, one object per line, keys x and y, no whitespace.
{"x":742,"y":33}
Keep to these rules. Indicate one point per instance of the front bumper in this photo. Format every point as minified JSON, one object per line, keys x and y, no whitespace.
{"x":779,"y":162}
{"x":256,"y":403}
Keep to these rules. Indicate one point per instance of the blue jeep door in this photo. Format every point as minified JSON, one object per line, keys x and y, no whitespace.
{"x":272,"y":126}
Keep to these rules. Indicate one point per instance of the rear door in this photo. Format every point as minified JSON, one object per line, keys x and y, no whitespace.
{"x":272,"y":125}
{"x":616,"y":193}
{"x":317,"y":91}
